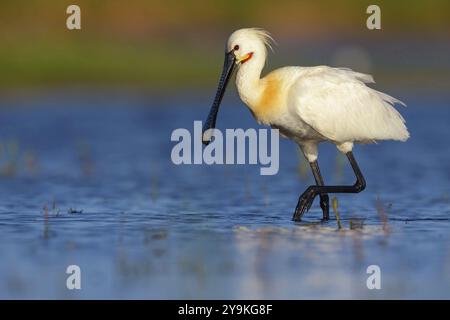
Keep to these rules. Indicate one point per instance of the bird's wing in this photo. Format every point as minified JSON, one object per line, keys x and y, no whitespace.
{"x":336,"y":103}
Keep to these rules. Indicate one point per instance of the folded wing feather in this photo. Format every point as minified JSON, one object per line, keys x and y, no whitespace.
{"x":337,"y":103}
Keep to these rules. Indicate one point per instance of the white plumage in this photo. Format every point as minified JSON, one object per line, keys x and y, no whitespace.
{"x":309,"y":105}
{"x":313,"y":104}
{"x":338,"y":105}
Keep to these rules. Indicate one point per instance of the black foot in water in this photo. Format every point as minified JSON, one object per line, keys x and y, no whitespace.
{"x":325,"y":205}
{"x":304,"y":204}
{"x":306,"y":199}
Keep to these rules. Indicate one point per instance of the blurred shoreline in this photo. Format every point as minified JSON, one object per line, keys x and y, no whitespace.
{"x":159,"y":47}
{"x":144,"y":97}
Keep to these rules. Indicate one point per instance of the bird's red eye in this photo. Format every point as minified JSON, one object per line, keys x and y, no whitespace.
{"x":236,"y":47}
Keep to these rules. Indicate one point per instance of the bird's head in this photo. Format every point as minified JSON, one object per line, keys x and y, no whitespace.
{"x":242,"y":46}
{"x":248,"y":43}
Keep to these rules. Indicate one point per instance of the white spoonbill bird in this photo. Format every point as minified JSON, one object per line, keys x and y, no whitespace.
{"x":309,"y":105}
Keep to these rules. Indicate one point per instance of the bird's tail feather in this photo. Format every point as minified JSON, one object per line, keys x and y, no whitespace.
{"x":390,"y":99}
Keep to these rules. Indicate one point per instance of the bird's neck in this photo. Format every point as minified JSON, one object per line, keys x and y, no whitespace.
{"x":248,"y":80}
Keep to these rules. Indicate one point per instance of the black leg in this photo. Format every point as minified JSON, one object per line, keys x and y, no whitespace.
{"x":324,"y":199}
{"x":306,"y":199}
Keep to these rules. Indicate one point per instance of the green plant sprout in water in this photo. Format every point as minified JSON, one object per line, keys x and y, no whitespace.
{"x":9,"y":155}
{"x":154,"y":192}
{"x":15,"y":160}
{"x":356,"y":224}
{"x":334,"y":204}
{"x":382,"y":214}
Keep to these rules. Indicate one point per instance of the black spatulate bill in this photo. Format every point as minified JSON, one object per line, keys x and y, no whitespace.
{"x":227,"y":71}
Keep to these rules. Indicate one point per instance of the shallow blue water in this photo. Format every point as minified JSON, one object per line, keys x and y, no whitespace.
{"x":142,"y":227}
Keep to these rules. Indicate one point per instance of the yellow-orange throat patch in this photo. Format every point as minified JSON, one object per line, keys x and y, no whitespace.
{"x":247,"y":57}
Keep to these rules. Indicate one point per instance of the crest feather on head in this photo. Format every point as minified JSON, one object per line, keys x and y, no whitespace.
{"x":260,"y":34}
{"x":264,"y":36}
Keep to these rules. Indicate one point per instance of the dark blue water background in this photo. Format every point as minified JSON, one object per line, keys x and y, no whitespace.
{"x":87,"y":179}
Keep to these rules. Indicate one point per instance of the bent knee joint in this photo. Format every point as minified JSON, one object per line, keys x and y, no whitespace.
{"x":359,"y":186}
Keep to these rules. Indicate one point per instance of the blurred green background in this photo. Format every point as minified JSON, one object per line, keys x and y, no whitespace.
{"x":162,"y":45}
